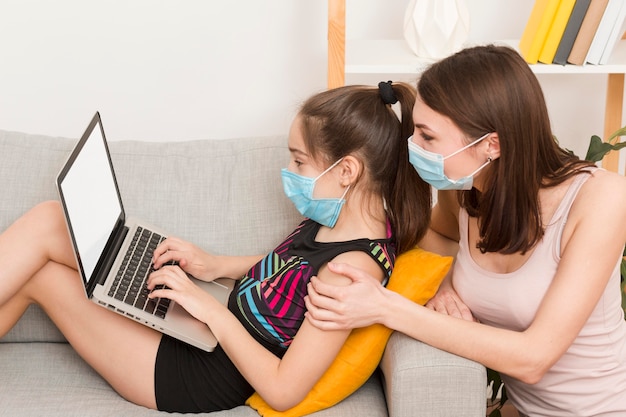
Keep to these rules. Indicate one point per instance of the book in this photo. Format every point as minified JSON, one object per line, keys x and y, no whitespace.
{"x":587,"y":31}
{"x":616,"y":33}
{"x":557,"y":28}
{"x":536,"y":30}
{"x":608,"y":21}
{"x":571,"y":30}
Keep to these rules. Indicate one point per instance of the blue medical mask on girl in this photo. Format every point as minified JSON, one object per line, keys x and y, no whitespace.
{"x":429,"y":166}
{"x":299,"y":189}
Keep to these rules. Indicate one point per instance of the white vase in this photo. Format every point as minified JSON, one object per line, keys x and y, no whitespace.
{"x":436,"y":28}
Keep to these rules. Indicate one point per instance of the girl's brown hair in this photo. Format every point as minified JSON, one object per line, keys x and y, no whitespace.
{"x":492,"y":89}
{"x":355,"y":120}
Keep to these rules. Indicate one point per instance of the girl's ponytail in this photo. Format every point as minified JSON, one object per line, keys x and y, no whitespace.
{"x":408,"y":197}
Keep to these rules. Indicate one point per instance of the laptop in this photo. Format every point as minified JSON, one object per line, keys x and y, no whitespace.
{"x":104,"y":240}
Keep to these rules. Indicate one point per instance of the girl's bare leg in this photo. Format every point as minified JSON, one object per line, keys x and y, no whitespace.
{"x":119,"y":349}
{"x":37,"y":237}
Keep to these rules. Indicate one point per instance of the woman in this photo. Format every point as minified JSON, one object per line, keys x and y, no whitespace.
{"x":540,"y":236}
{"x":347,"y":175}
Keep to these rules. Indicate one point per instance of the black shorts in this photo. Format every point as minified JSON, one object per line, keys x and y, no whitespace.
{"x":190,"y":380}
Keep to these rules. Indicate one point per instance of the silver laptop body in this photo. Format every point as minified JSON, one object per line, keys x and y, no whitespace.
{"x":101,"y":235}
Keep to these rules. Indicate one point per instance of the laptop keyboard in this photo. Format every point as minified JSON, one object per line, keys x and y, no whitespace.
{"x":130,"y":283}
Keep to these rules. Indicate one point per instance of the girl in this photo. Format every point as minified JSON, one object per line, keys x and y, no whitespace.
{"x":538,"y":258}
{"x":347,"y":175}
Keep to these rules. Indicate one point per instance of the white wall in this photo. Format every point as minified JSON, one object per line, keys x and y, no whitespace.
{"x":159,"y":69}
{"x":189,"y":69}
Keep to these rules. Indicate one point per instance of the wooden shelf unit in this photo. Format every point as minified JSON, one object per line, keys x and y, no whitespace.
{"x":395,"y":57}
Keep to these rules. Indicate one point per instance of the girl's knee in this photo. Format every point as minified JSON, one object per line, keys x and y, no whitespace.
{"x":50,"y":207}
{"x":47,"y":226}
{"x":47,"y":213}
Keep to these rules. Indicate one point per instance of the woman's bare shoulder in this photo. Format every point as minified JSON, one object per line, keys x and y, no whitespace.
{"x":604,"y":193}
{"x":605,"y":185}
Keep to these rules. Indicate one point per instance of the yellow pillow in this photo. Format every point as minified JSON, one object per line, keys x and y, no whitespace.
{"x":416,"y":275}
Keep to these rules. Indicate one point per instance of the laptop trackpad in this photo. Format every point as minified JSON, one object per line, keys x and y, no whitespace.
{"x":220,"y":288}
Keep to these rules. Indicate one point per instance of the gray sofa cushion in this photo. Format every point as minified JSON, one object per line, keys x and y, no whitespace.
{"x":64,"y":385}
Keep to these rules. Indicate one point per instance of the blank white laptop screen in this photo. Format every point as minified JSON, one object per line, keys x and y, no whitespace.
{"x":91,"y":198}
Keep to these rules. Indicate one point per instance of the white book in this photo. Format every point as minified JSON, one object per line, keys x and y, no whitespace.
{"x":616,"y":34}
{"x":609,"y":20}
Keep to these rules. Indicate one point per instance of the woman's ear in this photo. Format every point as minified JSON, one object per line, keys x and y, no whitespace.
{"x":493,"y":146}
{"x":350,"y":170}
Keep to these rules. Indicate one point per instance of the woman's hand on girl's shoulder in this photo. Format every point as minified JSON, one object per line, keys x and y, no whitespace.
{"x":356,"y":302}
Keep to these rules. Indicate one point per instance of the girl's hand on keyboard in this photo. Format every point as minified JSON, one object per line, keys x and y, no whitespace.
{"x":200,"y":264}
{"x":180,"y":289}
{"x":190,"y":258}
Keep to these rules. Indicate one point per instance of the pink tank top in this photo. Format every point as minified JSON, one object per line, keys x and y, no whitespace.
{"x":590,"y":378}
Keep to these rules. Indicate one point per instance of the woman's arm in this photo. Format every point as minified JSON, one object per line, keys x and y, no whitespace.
{"x":200,"y":264}
{"x":443,"y":235}
{"x":443,"y":238}
{"x":282,"y":383}
{"x":580,"y":280}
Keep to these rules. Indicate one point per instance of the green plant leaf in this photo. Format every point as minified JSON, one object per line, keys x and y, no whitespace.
{"x":616,"y":134}
{"x":597,"y":148}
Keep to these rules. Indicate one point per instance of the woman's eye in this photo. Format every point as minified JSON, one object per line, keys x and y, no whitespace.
{"x":426,"y":137}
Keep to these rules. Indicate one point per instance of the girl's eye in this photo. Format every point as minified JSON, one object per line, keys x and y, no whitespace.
{"x":298,"y":163}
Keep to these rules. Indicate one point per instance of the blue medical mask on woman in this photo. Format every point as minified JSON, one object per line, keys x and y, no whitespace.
{"x":429,"y":166}
{"x":299,"y":189}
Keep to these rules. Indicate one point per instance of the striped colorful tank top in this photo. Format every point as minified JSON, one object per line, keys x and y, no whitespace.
{"x":269,"y":299}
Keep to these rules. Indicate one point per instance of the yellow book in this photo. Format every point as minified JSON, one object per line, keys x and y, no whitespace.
{"x":537,"y":28}
{"x":563,"y":12}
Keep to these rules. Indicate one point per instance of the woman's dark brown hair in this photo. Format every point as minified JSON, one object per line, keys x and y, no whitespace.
{"x":355,"y":120}
{"x":492,"y":89}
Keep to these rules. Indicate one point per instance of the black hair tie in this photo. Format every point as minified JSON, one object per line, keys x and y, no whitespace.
{"x":386,"y":92}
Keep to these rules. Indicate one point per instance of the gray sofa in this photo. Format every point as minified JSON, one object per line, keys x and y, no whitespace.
{"x":226,"y":197}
